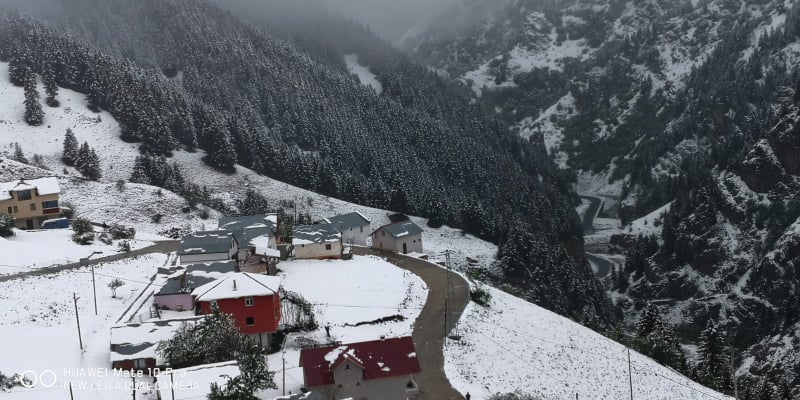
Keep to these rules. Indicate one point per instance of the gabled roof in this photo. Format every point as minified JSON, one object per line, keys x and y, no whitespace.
{"x":204,"y":242}
{"x":319,"y":233}
{"x":195,"y":275}
{"x":43,"y":186}
{"x":348,"y":221}
{"x":377,"y":359}
{"x":237,"y":285}
{"x":248,"y":227}
{"x":401,"y":229}
{"x":135,"y":341}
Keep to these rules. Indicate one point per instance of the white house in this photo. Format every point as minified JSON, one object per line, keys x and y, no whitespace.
{"x":402,"y":237}
{"x":208,"y":246}
{"x":353,"y":226}
{"x":318,"y":241}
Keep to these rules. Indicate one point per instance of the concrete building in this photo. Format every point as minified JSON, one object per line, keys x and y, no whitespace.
{"x":320,"y":241}
{"x":30,"y":202}
{"x":376,"y":370}
{"x":176,"y":293}
{"x":208,"y":246}
{"x":401,"y":237}
{"x":354,"y":227}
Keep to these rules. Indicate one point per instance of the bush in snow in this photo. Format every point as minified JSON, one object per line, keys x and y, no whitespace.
{"x":6,"y":225}
{"x":118,"y":232}
{"x":105,"y":238}
{"x":84,"y":231}
{"x":124,"y":246}
{"x":514,"y":396}
{"x":479,"y":295}
{"x":67,"y":209}
{"x":114,"y":285}
{"x":8,"y":382}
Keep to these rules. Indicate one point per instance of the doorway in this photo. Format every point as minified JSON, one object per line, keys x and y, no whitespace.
{"x":405,"y":249}
{"x":29,"y":224}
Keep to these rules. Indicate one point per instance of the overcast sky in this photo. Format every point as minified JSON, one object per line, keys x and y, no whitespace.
{"x":389,"y":18}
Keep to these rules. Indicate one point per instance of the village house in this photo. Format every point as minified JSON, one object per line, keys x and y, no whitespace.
{"x":320,"y":241}
{"x":176,"y":293}
{"x":208,"y":246}
{"x":133,"y":346}
{"x":380,"y":370}
{"x":253,"y":300}
{"x":402,"y":237}
{"x":252,"y":231}
{"x":354,"y":227}
{"x":30,"y":202}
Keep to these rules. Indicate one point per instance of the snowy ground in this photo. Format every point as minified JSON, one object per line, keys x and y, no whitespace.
{"x":29,"y":250}
{"x":366,"y":76}
{"x":522,"y":346}
{"x":344,"y":293}
{"x":38,"y":329}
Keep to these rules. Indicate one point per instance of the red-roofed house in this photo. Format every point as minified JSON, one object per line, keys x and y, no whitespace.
{"x":253,"y":300}
{"x":381,"y":369}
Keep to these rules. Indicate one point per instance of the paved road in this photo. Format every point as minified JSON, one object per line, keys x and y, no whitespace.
{"x":429,"y":327}
{"x":603,"y":265}
{"x":159,"y":247}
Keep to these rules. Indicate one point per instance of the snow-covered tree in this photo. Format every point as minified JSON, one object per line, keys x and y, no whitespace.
{"x":33,"y":109}
{"x":114,"y":285}
{"x":50,"y":86}
{"x":714,"y":366}
{"x":70,"y":153}
{"x":19,"y":155}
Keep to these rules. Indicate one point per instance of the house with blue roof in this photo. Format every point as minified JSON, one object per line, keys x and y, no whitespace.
{"x":401,"y":237}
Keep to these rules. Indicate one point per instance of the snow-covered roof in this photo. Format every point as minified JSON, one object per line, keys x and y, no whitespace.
{"x":206,"y":242}
{"x":237,"y":285}
{"x":43,"y":186}
{"x":261,"y":244}
{"x":248,"y":227}
{"x":318,"y":233}
{"x":348,"y":221}
{"x":401,"y":229}
{"x":195,"y":382}
{"x":135,"y":341}
{"x":195,"y":275}
{"x":378,"y":359}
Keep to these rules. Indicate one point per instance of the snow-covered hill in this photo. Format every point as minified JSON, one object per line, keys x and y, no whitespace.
{"x":524,"y":347}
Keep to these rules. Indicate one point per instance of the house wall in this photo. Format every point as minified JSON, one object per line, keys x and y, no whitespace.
{"x":383,"y":240}
{"x":357,"y":236}
{"x":266,"y":311}
{"x":354,"y":386}
{"x":318,"y":251}
{"x":203,"y":257}
{"x":175,"y":302}
{"x":24,"y":212}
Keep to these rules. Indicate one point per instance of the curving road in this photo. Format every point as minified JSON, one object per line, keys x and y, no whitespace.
{"x":159,"y":247}
{"x":603,"y":265}
{"x":429,"y":327}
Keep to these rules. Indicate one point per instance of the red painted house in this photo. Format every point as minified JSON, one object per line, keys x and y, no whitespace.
{"x":252,"y":299}
{"x":380,"y":369}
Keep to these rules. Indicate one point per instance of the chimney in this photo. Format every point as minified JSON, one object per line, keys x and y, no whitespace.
{"x":383,"y":337}
{"x":234,"y":284}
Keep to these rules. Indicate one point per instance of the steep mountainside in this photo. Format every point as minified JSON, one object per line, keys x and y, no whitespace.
{"x":184,"y":74}
{"x":685,"y":104}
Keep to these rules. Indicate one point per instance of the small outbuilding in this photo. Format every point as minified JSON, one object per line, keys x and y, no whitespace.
{"x":401,"y":237}
{"x":208,"y":246}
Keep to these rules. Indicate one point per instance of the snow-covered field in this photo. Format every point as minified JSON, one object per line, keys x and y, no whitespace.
{"x":524,"y":347}
{"x":38,"y":329}
{"x":344,"y":293}
{"x":29,"y":250}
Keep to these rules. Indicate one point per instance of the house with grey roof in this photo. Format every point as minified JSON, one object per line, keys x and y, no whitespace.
{"x":401,"y":237}
{"x":354,"y":227}
{"x":208,"y":246}
{"x":318,"y":241}
{"x":133,"y":346}
{"x":252,"y":232}
{"x":176,"y":292}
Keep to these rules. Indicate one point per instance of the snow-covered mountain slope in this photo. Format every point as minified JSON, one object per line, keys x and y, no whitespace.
{"x":524,"y":347}
{"x":136,"y":204}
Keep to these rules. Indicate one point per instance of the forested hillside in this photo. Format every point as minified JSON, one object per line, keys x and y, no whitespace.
{"x":187,"y":75}
{"x":689,"y":107}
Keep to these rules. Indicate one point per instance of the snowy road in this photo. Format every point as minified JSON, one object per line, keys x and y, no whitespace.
{"x":429,"y":327}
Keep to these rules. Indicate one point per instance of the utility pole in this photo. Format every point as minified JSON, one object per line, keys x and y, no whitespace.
{"x":77,"y":318}
{"x":733,"y":373}
{"x":71,"y":397}
{"x":84,"y":262}
{"x":630,"y":375}
{"x":283,"y":372}
{"x":172,"y":384}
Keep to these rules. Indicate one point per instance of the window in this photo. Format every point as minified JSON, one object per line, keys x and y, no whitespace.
{"x":340,"y":386}
{"x":383,"y":233}
{"x":362,"y":229}
{"x":49,"y":204}
{"x":16,"y":210}
{"x":24,"y":195}
{"x":248,"y":301}
{"x":33,"y":206}
{"x":9,"y":210}
{"x":328,"y":246}
{"x":347,"y":366}
{"x":139,"y":363}
{"x":250,"y":321}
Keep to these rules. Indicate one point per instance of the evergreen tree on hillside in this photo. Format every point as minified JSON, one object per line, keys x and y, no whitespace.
{"x":88,"y":163}
{"x":19,"y":155}
{"x":222,"y":153}
{"x":649,"y":321}
{"x":656,"y":339}
{"x":33,"y":109}
{"x":714,"y":367}
{"x":18,"y":72}
{"x":50,"y":86}
{"x":70,"y":152}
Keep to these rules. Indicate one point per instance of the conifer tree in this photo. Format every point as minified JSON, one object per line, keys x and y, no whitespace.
{"x":50,"y":86}
{"x":19,"y":155}
{"x":70,"y":154}
{"x":33,"y":109}
{"x":713,"y":368}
